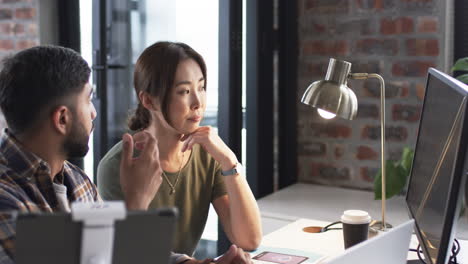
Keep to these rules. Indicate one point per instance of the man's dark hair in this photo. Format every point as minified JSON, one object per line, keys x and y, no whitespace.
{"x":35,"y":81}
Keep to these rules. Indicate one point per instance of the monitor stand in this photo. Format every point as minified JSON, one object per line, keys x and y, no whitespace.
{"x":414,"y":261}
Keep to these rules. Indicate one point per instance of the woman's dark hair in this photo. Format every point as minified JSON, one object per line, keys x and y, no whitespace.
{"x":35,"y":80}
{"x":155,"y":72}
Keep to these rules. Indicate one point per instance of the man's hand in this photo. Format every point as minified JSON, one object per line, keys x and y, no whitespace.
{"x":140,"y":177}
{"x":234,"y":255}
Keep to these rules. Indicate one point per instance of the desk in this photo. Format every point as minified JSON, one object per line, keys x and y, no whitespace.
{"x":283,"y":210}
{"x":329,"y":243}
{"x":323,"y":203}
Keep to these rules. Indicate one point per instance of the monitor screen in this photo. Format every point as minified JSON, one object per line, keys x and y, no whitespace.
{"x":439,"y":165}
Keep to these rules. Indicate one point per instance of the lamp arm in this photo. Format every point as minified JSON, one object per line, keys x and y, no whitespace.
{"x":363,"y":76}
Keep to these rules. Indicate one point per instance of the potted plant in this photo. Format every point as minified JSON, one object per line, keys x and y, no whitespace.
{"x":461,"y":65}
{"x":397,"y":173}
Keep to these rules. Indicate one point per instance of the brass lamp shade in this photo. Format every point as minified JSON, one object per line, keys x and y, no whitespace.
{"x":332,"y":94}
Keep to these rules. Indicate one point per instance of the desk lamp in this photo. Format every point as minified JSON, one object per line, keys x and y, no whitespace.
{"x":332,"y":97}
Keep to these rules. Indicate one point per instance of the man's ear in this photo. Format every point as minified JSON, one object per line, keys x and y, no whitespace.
{"x":61,"y":119}
{"x":148,"y":101}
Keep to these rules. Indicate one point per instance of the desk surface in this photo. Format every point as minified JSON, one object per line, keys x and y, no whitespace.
{"x":327,"y":203}
{"x":324,"y":203}
{"x":281,"y":211}
{"x":319,"y":245}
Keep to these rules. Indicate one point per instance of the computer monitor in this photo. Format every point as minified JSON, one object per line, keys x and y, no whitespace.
{"x":439,"y":165}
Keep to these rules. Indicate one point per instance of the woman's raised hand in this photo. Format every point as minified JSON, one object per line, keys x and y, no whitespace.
{"x":213,"y":144}
{"x":140,"y":177}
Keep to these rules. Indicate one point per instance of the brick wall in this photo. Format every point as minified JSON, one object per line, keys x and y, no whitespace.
{"x":19,"y":27}
{"x":398,"y":39}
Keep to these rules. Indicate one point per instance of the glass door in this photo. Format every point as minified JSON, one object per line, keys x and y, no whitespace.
{"x":119,"y":31}
{"x":196,"y":24}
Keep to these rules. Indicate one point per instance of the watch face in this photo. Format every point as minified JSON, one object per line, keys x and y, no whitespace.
{"x":239,"y":168}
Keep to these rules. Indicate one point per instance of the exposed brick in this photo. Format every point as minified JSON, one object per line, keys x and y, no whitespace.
{"x":400,"y":25}
{"x":392,"y":89}
{"x":317,"y":69}
{"x":313,"y":27}
{"x":6,"y":29}
{"x":392,"y":133}
{"x":427,"y":24}
{"x":320,"y":47}
{"x":26,"y":43}
{"x":317,"y":26}
{"x":14,"y":1}
{"x":339,"y":151}
{"x":329,"y":171}
{"x":422,"y":47}
{"x":393,"y":154}
{"x":366,"y":66}
{"x":420,"y":91}
{"x":6,"y":45}
{"x":377,"y":46}
{"x":417,"y":1}
{"x":6,"y":13}
{"x":30,"y":30}
{"x":412,"y":25}
{"x":409,"y":113}
{"x":327,"y":6}
{"x":422,"y":6}
{"x":330,"y":130}
{"x":396,"y":133}
{"x":368,"y":111}
{"x":310,"y":148}
{"x":375,"y":4}
{"x":368,"y":174}
{"x":19,"y":30}
{"x":366,"y":153}
{"x":404,"y":91}
{"x":25,"y":13}
{"x":411,"y":68}
{"x":355,"y":27}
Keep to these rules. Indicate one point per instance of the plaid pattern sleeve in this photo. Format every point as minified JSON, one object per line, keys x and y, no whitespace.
{"x":9,"y":207}
{"x":26,"y":186}
{"x":7,"y":233}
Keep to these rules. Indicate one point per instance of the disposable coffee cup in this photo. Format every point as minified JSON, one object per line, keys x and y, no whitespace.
{"x":355,"y":227}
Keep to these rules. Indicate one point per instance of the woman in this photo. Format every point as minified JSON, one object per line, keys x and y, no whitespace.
{"x":170,"y":81}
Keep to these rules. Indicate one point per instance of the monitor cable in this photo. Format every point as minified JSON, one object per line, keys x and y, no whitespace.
{"x":453,"y":257}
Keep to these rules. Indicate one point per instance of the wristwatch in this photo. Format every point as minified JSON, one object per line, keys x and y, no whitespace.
{"x":238,"y":168}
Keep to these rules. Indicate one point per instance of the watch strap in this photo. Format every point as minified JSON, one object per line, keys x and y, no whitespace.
{"x":232,"y":171}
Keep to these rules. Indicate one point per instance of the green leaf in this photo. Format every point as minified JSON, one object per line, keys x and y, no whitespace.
{"x":395,"y":180}
{"x":463,"y":78}
{"x":461,"y":65}
{"x":407,"y":159}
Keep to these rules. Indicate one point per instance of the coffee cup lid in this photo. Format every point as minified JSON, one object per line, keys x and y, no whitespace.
{"x":355,"y":217}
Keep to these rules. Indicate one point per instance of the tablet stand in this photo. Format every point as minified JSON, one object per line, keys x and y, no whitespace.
{"x":98,"y":229}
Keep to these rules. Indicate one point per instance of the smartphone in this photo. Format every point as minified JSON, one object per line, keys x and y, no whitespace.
{"x":279,"y":258}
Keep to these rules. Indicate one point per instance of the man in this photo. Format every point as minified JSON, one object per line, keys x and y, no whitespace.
{"x":46,"y":100}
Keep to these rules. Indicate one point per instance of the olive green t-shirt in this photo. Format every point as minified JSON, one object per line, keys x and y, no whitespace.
{"x":200,"y":183}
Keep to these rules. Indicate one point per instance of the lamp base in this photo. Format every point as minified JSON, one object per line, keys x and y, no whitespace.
{"x":378,"y":225}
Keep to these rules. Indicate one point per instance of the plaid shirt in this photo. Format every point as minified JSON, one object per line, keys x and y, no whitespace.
{"x":26,"y":186}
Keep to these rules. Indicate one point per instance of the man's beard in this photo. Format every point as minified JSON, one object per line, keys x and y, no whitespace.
{"x":76,"y":143}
